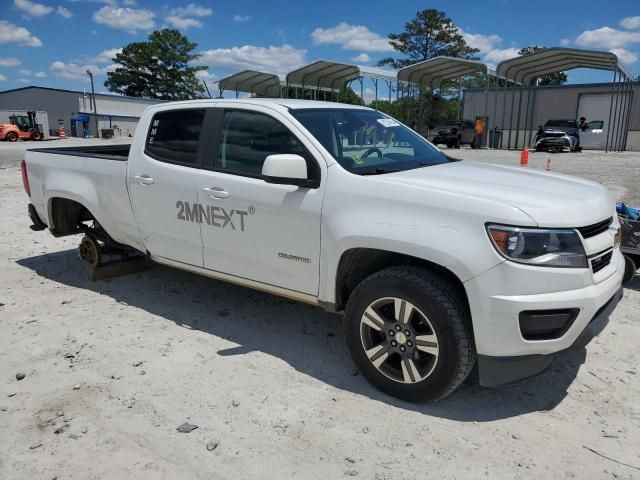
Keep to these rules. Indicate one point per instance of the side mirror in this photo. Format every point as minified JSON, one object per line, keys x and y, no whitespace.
{"x":286,"y":169}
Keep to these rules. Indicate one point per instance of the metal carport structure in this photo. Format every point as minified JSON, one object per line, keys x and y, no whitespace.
{"x":525,"y":69}
{"x":434,"y":72}
{"x":327,"y":76}
{"x":252,"y":82}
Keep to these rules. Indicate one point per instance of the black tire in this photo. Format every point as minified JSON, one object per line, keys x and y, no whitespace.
{"x":36,"y":136}
{"x":11,"y":137}
{"x":446,"y":319}
{"x":629,"y":269}
{"x":457,"y":143}
{"x":449,"y":145}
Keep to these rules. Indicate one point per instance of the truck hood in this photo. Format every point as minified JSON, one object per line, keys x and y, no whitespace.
{"x":550,"y":199}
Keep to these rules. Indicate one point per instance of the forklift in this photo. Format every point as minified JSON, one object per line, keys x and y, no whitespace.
{"x":21,"y":126}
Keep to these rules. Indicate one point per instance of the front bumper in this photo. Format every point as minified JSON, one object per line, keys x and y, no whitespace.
{"x":449,"y":138}
{"x":504,"y":355}
{"x":497,"y":371}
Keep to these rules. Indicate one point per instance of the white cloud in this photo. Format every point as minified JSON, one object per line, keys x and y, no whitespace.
{"x":205,"y":75}
{"x":241,"y":18}
{"x":630,"y":23}
{"x":497,"y":55}
{"x":126,"y":19}
{"x":9,"y":62}
{"x":183,"y":23}
{"x":363,"y":58}
{"x":625,"y":55}
{"x":2,"y":78}
{"x":106,"y":56}
{"x":10,"y":33}
{"x":186,"y":17}
{"x":25,"y":72}
{"x":40,"y":75}
{"x":24,"y":80}
{"x":484,"y":43}
{"x":607,"y":37}
{"x":32,"y":9}
{"x":565,"y":42}
{"x":73,"y":71}
{"x":191,"y":10}
{"x":351,"y":37}
{"x":64,"y":12}
{"x":270,"y":59}
{"x":113,"y":3}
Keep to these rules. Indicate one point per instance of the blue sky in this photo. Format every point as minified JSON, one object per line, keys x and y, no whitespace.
{"x":53,"y":43}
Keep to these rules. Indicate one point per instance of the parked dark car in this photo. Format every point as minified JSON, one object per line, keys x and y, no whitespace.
{"x":454,"y":134}
{"x":557,"y":136}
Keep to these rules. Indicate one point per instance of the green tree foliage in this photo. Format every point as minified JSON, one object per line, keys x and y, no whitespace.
{"x":347,"y":95}
{"x":557,"y":78}
{"x":430,"y":34}
{"x":159,"y":68}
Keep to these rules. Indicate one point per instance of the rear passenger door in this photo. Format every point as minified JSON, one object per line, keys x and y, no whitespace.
{"x":162,"y":183}
{"x":256,"y":230}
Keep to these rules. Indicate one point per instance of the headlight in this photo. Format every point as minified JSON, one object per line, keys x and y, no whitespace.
{"x":537,"y":246}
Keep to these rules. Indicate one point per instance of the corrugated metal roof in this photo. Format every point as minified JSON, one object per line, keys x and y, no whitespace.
{"x":109,"y":95}
{"x":252,"y":81}
{"x":334,"y":75}
{"x":432,"y":72}
{"x":525,"y":68}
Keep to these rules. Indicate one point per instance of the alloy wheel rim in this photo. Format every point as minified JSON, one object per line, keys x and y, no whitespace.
{"x":399,"y":340}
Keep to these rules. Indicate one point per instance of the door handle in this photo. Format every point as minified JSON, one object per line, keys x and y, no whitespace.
{"x":143,"y":179}
{"x":216,"y":192}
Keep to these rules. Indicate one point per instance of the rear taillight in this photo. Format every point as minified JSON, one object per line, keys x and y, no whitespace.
{"x":25,"y":178}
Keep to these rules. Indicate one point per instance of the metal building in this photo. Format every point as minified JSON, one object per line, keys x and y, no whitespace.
{"x":73,"y":110}
{"x":553,"y":102}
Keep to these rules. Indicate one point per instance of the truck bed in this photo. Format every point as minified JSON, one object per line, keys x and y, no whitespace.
{"x":94,"y":176}
{"x":105,"y":152}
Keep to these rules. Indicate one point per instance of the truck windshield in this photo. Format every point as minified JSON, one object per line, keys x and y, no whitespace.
{"x":366,"y":142}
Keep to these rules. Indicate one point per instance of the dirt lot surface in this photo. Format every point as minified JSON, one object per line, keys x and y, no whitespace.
{"x":112,"y":368}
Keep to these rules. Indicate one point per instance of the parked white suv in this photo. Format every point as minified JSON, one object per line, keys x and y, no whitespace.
{"x":436,"y":263}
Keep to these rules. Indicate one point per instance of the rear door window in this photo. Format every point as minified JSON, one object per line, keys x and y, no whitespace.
{"x":174,"y":136}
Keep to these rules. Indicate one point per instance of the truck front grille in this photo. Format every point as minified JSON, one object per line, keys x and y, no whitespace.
{"x":595,"y":229}
{"x":602,"y":261}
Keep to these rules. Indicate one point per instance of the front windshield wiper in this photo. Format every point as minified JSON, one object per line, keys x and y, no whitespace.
{"x":378,"y":171}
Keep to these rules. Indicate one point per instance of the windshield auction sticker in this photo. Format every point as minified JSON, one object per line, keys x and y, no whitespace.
{"x":388,"y":122}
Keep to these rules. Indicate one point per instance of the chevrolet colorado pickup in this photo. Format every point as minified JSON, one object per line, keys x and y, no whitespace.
{"x":437,"y":264}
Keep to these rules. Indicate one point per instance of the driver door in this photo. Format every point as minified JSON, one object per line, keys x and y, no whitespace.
{"x":593,"y":137}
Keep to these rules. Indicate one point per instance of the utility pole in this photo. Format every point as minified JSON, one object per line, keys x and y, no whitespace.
{"x":95,"y":110}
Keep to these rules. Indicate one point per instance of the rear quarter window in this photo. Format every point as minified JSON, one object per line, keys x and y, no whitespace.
{"x":174,"y":135}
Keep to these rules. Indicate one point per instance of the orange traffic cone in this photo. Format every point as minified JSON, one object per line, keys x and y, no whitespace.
{"x":524,"y":156}
{"x":548,"y":169}
{"x":62,"y":133}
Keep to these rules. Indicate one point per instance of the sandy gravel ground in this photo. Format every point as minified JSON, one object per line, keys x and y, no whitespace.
{"x":112,"y":368}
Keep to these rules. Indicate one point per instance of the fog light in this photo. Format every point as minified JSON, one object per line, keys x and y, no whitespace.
{"x":546,"y":324}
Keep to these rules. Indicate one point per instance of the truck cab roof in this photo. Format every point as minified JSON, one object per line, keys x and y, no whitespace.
{"x":286,"y":103}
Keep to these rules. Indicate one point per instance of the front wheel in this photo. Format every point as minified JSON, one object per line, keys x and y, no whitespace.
{"x":408,"y":333}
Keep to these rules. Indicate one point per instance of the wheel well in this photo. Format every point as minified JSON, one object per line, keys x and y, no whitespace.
{"x":67,"y":216}
{"x":358,"y":263}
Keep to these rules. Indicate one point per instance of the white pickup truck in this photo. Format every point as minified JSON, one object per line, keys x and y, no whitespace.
{"x":437,"y":264}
